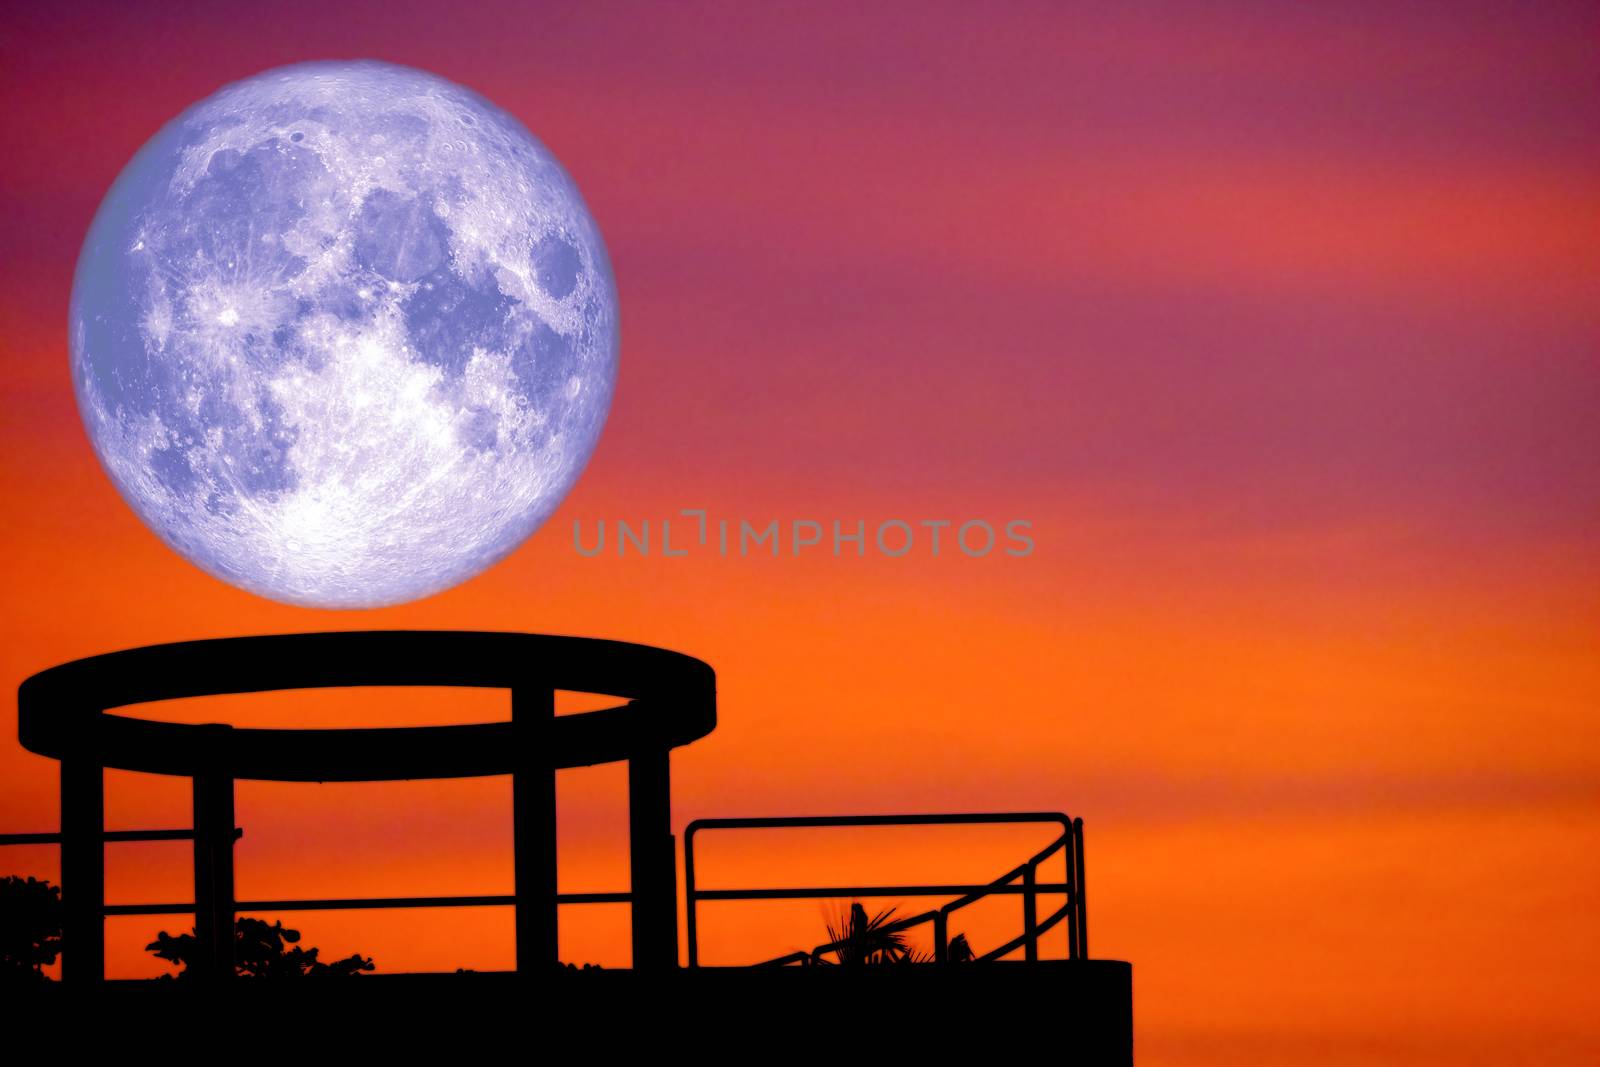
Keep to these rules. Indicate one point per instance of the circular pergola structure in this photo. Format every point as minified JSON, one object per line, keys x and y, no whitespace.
{"x":667,"y":700}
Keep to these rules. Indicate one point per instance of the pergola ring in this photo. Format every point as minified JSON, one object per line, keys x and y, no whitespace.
{"x":672,"y":702}
{"x":669,"y":701}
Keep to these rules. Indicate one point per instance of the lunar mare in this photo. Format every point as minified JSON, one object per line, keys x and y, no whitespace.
{"x":344,"y":335}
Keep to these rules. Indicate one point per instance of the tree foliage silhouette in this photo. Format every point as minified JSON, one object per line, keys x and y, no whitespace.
{"x":30,"y":929}
{"x":260,"y":951}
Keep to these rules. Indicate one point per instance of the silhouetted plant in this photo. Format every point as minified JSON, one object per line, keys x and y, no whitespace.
{"x":30,"y":929}
{"x":857,"y":940}
{"x":959,"y":951}
{"x":260,"y":951}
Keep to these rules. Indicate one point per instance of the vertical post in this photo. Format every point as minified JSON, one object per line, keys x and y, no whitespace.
{"x":83,"y":872}
{"x":1083,"y":906}
{"x":651,"y":861}
{"x":941,"y":936}
{"x":533,"y":816}
{"x":213,"y":859}
{"x":1030,"y":915}
{"x":1069,"y":858}
{"x":691,"y":921}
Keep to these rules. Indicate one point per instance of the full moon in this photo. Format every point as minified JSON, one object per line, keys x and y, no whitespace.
{"x":343,"y":334}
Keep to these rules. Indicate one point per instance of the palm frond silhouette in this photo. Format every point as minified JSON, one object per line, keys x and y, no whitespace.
{"x":855,"y":939}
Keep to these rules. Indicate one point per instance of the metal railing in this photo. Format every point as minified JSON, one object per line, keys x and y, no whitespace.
{"x":332,"y":904}
{"x":1022,"y":880}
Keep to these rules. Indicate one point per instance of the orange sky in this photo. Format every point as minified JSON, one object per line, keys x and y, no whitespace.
{"x":1280,"y":327}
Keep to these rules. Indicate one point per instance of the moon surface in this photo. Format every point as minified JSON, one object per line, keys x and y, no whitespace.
{"x":344,"y":334}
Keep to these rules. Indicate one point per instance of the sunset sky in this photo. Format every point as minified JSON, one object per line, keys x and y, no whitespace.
{"x":1281,"y":325}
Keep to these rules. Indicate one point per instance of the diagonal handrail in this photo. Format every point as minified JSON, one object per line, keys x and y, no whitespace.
{"x":1032,"y":929}
{"x":1022,"y":939}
